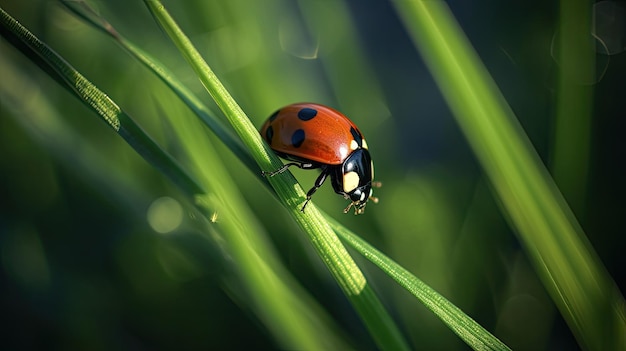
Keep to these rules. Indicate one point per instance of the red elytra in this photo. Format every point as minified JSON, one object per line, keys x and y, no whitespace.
{"x":326,"y":134}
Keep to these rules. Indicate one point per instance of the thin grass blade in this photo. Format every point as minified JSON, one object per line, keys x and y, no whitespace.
{"x":95,"y":99}
{"x":477,"y":337}
{"x":84,"y":11}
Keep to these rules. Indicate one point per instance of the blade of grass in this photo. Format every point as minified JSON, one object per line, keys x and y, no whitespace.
{"x":84,"y":11}
{"x":295,"y":325}
{"x":571,"y":271}
{"x":477,"y":337}
{"x":333,"y":253}
{"x":95,"y":99}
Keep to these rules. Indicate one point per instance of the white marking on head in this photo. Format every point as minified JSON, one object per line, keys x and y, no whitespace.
{"x":350,"y":181}
{"x":372,"y":163}
{"x":364,"y":144}
{"x":362,"y":197}
{"x":353,"y":145}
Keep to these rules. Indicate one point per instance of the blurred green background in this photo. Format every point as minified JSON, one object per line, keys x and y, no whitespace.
{"x":99,"y":251}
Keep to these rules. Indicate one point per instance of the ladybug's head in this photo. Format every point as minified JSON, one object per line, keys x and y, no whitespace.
{"x":353,"y":180}
{"x":359,"y":198}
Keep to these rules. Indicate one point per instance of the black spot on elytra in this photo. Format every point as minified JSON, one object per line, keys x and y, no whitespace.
{"x":297,"y":138}
{"x":269,"y":134}
{"x":307,"y":113}
{"x":274,"y":115}
{"x":357,"y":136}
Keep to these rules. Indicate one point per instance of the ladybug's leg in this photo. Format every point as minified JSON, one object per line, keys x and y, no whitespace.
{"x":318,"y":183}
{"x":287,"y":165}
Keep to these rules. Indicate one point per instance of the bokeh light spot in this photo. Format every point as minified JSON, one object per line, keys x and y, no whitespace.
{"x":165,"y":215}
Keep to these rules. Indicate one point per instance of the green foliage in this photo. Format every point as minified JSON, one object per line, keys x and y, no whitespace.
{"x":218,"y":245}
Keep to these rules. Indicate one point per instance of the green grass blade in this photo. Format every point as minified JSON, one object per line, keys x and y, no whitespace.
{"x":98,"y":101}
{"x":465,"y":327}
{"x":333,"y":253}
{"x":209,"y":118}
{"x":571,"y":271}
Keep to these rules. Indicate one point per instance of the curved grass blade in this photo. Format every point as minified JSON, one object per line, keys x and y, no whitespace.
{"x":82,"y":9}
{"x":98,"y":101}
{"x":567,"y":264}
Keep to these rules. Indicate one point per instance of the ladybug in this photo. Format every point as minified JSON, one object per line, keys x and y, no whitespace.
{"x":317,"y":136}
